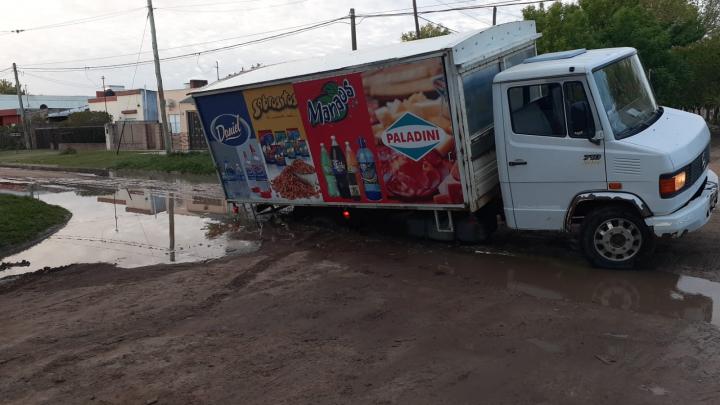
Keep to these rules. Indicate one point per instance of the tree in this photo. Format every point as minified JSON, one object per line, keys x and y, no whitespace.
{"x":428,"y":30}
{"x":87,"y":118}
{"x":656,"y":28}
{"x":7,"y":87}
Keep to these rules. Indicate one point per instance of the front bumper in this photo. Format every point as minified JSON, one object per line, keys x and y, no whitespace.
{"x":692,"y":216}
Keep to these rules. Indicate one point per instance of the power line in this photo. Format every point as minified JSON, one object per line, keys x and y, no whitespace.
{"x":74,"y":22}
{"x":465,"y":13}
{"x":445,"y":10}
{"x":192,"y":54}
{"x":438,"y":24}
{"x":58,"y":81}
{"x":180,"y":10}
{"x":211,"y":4}
{"x":170,"y":48}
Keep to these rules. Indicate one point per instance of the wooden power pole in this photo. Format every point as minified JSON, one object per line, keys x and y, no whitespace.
{"x":161,"y":93}
{"x":353,"y":35}
{"x":26,"y":130}
{"x":417,"y":23}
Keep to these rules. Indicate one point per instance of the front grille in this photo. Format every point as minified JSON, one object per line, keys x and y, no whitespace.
{"x":698,"y":166}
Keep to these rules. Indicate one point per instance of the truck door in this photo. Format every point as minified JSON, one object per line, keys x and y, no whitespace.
{"x":550,"y":159}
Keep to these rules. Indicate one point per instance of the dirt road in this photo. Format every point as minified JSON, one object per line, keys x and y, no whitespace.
{"x":325,"y":317}
{"x":338,"y":317}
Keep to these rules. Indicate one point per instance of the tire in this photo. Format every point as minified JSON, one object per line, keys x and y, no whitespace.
{"x":616,"y":238}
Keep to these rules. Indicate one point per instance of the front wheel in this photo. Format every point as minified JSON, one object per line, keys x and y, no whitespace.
{"x":613,"y":237}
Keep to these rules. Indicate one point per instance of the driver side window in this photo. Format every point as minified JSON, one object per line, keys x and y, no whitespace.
{"x":537,"y":110}
{"x":551,"y":109}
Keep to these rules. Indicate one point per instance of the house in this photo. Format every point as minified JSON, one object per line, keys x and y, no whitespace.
{"x":10,"y":109}
{"x":126,"y":105}
{"x":183,"y":119}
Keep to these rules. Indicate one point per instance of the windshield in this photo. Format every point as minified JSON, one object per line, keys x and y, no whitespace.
{"x":626,"y":96}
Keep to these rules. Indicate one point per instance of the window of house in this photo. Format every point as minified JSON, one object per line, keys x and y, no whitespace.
{"x":537,"y":110}
{"x":174,"y":121}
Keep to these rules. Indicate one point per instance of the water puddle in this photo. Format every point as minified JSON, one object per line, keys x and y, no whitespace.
{"x":648,"y":292}
{"x":131,"y":227}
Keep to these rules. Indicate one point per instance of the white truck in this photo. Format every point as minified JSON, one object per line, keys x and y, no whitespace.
{"x":468,"y":128}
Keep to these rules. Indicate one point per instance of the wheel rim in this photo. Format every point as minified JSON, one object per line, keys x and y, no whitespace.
{"x":618,"y":239}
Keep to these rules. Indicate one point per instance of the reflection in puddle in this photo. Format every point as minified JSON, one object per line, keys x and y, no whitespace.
{"x":650,"y":292}
{"x":130,"y":228}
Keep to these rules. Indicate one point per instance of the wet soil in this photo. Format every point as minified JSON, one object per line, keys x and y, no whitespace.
{"x":319,"y":317}
{"x":327,"y":316}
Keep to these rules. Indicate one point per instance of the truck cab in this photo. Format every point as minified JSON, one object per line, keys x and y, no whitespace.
{"x":582,"y":145}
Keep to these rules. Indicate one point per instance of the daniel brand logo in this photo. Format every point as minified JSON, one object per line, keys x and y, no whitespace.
{"x":230,"y":129}
{"x":413,"y":136}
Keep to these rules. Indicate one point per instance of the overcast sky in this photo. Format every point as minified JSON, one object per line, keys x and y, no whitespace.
{"x":116,"y":37}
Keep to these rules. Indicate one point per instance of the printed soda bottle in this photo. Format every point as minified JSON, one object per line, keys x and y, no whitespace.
{"x":250,"y":173}
{"x":328,"y":172}
{"x":339,"y":168}
{"x":240,"y":184}
{"x":261,"y":177}
{"x":228,"y":174}
{"x":368,"y":171}
{"x":352,"y":173}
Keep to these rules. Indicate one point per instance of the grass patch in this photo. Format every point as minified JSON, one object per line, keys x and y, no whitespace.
{"x":23,"y":219}
{"x":187,"y":163}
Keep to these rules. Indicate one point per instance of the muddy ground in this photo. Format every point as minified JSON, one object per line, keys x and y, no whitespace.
{"x":339,"y":317}
{"x":320,"y":316}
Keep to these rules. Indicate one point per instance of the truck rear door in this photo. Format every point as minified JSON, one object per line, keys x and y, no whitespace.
{"x":549,"y":162}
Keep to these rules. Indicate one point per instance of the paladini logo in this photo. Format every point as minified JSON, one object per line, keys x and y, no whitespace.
{"x":332,"y":104}
{"x":413,"y":136}
{"x":265,"y":103}
{"x":230,"y":129}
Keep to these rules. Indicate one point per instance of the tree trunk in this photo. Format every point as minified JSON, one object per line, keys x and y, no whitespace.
{"x":716,"y":115}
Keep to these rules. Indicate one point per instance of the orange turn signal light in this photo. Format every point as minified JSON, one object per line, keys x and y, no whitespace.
{"x":671,"y":185}
{"x":615,"y":186}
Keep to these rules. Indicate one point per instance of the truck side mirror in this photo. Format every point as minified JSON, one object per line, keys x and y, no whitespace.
{"x":580,"y":117}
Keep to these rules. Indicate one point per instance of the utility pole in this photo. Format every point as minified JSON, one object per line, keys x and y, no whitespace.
{"x":217,"y":69}
{"x":417,"y":23}
{"x":104,"y":94}
{"x":494,"y":15}
{"x":353,"y":36}
{"x":161,"y":93}
{"x":26,"y":131}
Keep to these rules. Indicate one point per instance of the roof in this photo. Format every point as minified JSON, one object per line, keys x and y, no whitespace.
{"x":9,"y":101}
{"x":465,"y":46}
{"x":557,"y":64}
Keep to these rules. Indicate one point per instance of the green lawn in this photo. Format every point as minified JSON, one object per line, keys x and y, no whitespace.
{"x":23,"y":219}
{"x":190,"y":163}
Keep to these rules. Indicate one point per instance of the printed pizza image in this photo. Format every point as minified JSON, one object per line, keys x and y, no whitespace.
{"x":410,"y":118}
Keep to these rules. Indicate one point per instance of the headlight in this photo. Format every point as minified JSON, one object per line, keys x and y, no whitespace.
{"x":672,"y":184}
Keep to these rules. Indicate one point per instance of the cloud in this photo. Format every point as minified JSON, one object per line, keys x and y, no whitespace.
{"x":183,"y":22}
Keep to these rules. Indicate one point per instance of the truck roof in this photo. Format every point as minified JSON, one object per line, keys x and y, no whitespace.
{"x":466,"y":47}
{"x":560,"y":63}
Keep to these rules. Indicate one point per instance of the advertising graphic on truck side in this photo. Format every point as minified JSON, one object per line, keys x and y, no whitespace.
{"x":383,"y":136}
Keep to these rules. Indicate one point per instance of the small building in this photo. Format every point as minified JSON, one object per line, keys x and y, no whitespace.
{"x":126,"y":105}
{"x":183,"y":119}
{"x":10,"y":109}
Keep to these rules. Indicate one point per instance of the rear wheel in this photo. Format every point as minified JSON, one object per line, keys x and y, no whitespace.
{"x":614,"y":237}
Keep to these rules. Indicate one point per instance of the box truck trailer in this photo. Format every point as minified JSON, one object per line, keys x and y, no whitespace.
{"x":469,"y":128}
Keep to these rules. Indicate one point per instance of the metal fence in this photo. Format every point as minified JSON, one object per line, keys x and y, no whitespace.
{"x":51,"y":138}
{"x":9,"y":141}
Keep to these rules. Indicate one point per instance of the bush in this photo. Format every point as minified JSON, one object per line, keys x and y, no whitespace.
{"x":69,"y":151}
